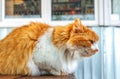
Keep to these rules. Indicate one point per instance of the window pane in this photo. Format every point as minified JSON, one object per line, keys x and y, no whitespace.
{"x":22,"y":8}
{"x":70,"y":9}
{"x":115,"y":9}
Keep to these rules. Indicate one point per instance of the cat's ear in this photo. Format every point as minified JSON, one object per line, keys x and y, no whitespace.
{"x":77,"y":26}
{"x":77,"y":21}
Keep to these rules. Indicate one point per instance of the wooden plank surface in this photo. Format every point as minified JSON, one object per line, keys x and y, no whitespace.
{"x":37,"y":77}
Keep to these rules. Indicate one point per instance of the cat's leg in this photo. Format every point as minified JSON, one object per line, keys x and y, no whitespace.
{"x":49,"y":71}
{"x":72,"y":76}
{"x":33,"y":68}
{"x":45,"y":72}
{"x":55,"y":72}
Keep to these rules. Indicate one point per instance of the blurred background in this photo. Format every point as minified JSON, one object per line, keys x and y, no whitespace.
{"x":103,"y":16}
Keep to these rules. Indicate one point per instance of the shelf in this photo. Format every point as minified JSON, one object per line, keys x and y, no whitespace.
{"x":73,"y":2}
{"x":67,"y":10}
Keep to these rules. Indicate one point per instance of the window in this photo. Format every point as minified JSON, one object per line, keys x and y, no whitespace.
{"x":65,"y":9}
{"x":115,"y":5}
{"x":22,"y":8}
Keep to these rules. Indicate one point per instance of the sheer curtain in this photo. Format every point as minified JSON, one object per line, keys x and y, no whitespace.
{"x":103,"y":65}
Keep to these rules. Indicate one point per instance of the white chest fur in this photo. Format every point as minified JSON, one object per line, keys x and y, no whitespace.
{"x":46,"y":55}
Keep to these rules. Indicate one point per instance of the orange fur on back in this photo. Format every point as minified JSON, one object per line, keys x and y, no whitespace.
{"x":17,"y":47}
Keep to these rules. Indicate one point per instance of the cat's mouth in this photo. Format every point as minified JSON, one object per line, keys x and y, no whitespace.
{"x":83,"y":51}
{"x":88,"y":53}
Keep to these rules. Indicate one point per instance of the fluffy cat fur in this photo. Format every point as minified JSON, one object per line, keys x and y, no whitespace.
{"x":39,"y":49}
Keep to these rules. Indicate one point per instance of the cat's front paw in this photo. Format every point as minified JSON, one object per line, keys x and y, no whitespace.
{"x":54,"y":72}
{"x":63,"y":73}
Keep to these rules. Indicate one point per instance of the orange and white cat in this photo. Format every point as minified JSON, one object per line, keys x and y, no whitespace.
{"x":38,"y":49}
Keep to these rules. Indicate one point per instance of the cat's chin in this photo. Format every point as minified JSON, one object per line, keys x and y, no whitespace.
{"x":80,"y":52}
{"x":88,"y":54}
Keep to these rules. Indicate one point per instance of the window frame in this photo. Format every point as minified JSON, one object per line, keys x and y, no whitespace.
{"x":87,"y":22}
{"x":112,"y":22}
{"x":14,"y":22}
{"x":102,"y":15}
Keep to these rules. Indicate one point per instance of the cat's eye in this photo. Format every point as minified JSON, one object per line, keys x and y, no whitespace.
{"x":84,"y":45}
{"x":91,"y":41}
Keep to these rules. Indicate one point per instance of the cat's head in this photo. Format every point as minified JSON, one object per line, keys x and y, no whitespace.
{"x":82,"y":40}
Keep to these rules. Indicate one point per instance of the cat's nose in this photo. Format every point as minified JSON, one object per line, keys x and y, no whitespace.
{"x":94,"y":47}
{"x":96,"y":50}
